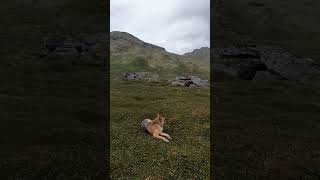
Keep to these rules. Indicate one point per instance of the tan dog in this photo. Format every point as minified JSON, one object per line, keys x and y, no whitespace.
{"x":155,"y":128}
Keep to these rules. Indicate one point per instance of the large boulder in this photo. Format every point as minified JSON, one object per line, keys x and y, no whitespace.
{"x":177,"y":83}
{"x":190,"y":81}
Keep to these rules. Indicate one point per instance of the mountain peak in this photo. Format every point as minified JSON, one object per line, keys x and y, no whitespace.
{"x":202,"y":53}
{"x":124,"y":35}
{"x":123,"y":40}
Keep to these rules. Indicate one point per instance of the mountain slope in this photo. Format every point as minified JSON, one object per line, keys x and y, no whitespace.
{"x":129,"y":53}
{"x":133,"y":101}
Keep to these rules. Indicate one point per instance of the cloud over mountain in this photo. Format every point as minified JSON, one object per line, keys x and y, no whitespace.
{"x":177,"y":25}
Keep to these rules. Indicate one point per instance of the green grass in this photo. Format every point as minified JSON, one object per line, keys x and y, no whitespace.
{"x":135,"y":155}
{"x":266,"y":129}
{"x":129,"y":64}
{"x":138,"y":62}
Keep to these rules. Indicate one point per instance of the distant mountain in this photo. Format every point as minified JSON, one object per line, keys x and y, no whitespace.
{"x":129,"y":53}
{"x":201,"y":54}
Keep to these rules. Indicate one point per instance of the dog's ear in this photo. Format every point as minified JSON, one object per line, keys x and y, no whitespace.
{"x":158,"y":115}
{"x":161,"y":119}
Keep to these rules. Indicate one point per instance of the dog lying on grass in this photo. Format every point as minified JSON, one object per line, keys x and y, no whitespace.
{"x":155,"y":128}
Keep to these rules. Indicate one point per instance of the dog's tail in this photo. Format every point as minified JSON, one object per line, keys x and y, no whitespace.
{"x":144,"y":124}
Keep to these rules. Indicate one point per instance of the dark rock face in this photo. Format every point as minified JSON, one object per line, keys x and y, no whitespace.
{"x":264,"y":62}
{"x":246,"y":73}
{"x":241,"y":53}
{"x":290,"y":66}
{"x":88,"y":44}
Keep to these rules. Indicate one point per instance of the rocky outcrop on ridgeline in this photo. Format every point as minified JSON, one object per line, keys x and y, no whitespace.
{"x":201,"y":54}
{"x":252,"y":62}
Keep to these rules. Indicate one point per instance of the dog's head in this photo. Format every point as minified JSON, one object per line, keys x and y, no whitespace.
{"x":160,"y":119}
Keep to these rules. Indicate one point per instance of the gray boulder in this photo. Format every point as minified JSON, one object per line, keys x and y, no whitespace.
{"x":178,"y":83}
{"x":190,"y":81}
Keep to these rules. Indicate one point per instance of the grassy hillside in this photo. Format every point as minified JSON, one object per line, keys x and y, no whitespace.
{"x":131,"y":54}
{"x":167,"y":68}
{"x":52,"y":108}
{"x":291,"y":24}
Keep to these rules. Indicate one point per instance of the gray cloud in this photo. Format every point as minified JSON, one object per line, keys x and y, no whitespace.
{"x":177,"y":25}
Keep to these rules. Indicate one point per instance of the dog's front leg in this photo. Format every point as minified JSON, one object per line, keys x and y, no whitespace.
{"x":160,"y":137}
{"x":165,"y":135}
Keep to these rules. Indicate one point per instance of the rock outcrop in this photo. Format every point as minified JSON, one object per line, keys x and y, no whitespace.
{"x":264,"y":63}
{"x":86,"y":44}
{"x":189,"y":81}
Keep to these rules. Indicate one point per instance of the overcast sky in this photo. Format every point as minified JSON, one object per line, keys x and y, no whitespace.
{"x":177,"y":25}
